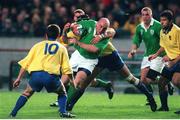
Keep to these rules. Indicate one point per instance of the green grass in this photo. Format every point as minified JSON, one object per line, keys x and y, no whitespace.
{"x":91,"y":105}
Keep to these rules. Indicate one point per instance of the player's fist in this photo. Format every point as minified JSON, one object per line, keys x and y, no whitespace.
{"x":166,"y":59}
{"x":96,"y":39}
{"x":72,"y":41}
{"x":16,"y":83}
{"x":66,"y":26}
{"x":131,"y":54}
{"x":151,"y":57}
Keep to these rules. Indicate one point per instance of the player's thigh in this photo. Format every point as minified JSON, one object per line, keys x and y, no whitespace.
{"x":52,"y":83}
{"x":36,"y":81}
{"x":144,"y":72}
{"x":176,"y":79}
{"x":81,"y":76}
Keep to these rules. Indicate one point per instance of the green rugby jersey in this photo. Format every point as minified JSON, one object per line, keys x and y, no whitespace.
{"x":88,"y":30}
{"x":150,"y":37}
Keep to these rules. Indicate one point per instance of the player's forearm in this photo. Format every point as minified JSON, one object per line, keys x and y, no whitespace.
{"x":161,"y":49}
{"x":88,"y":47}
{"x":21,"y":73}
{"x":177,"y":59}
{"x":134,"y":48}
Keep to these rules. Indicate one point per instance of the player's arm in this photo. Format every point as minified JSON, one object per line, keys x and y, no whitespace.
{"x":20,"y":76}
{"x":151,"y":57}
{"x":136,"y":43}
{"x":66,"y":68}
{"x":24,"y":63}
{"x":109,"y":33}
{"x":89,"y":47}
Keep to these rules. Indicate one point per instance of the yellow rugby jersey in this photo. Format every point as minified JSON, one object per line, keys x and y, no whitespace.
{"x":171,"y":42}
{"x":49,"y":56}
{"x":70,"y":34}
{"x":108,"y":49}
{"x":62,"y":42}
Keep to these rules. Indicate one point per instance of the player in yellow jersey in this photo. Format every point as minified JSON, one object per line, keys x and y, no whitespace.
{"x":45,"y":62}
{"x":170,"y":43}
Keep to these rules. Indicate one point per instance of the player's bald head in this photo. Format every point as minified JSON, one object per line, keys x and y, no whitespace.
{"x":102,"y":25}
{"x":105,"y":22}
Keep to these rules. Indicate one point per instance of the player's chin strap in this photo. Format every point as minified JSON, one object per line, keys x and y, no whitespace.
{"x":133,"y":80}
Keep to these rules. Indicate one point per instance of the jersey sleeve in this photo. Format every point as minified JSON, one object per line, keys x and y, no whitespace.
{"x":137,"y":37}
{"x":24,"y":63}
{"x":65,"y":66}
{"x":178,"y":38}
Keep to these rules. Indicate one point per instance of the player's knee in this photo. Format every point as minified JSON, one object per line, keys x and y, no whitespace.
{"x":176,"y":81}
{"x":133,"y":80}
{"x":152,"y":74}
{"x":27,"y":93}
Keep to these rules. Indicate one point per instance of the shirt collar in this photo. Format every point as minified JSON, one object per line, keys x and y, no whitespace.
{"x":151,"y":23}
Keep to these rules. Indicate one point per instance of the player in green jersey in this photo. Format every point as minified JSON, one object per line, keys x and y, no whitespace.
{"x":149,"y":32}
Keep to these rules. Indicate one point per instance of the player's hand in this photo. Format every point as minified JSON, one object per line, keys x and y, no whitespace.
{"x":16,"y":83}
{"x":74,"y":28}
{"x":96,"y":39}
{"x":170,"y":64}
{"x":166,"y":59}
{"x":151,"y":57}
{"x":72,"y":41}
{"x":66,"y":26}
{"x":131,"y":54}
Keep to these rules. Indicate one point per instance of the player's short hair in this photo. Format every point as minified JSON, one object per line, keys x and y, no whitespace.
{"x":168,"y":14}
{"x":147,"y":9}
{"x":79,"y":11}
{"x":53,"y":31}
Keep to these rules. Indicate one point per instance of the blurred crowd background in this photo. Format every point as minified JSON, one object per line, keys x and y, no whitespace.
{"x":29,"y":18}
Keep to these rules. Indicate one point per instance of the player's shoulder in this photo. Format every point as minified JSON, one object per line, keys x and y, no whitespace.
{"x":176,"y":28}
{"x":156,"y":22}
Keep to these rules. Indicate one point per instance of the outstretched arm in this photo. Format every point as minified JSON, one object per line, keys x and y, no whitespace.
{"x":89,"y":47}
{"x":18,"y":80}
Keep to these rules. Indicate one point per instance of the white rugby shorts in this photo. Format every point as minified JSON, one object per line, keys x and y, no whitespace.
{"x":157,"y":64}
{"x":78,"y":61}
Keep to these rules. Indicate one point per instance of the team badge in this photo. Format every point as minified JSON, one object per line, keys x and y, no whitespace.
{"x":152,"y":32}
{"x":169,"y":37}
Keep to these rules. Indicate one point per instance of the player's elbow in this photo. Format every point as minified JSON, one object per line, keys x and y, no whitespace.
{"x":95,"y":50}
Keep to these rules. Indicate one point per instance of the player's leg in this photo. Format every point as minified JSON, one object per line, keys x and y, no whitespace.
{"x":124,"y":71}
{"x":145,"y":66}
{"x":28,"y":92}
{"x":52,"y":83}
{"x":75,"y":93}
{"x":163,"y":94}
{"x":176,"y":79}
{"x":98,"y":83}
{"x":35,"y":84}
{"x":65,"y":81}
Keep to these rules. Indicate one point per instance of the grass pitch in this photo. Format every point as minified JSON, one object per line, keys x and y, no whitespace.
{"x":93,"y":105}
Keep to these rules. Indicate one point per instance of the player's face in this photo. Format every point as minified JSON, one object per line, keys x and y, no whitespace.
{"x":76,"y":15}
{"x":146,"y":16}
{"x":164,"y":22}
{"x":99,"y":27}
